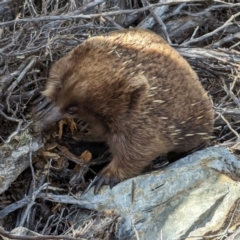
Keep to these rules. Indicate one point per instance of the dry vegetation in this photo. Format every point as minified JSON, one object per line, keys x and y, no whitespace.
{"x":35,"y":33}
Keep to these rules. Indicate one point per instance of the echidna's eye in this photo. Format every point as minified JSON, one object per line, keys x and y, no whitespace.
{"x":72,"y":110}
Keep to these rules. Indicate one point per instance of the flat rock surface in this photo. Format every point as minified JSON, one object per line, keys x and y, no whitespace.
{"x":194,"y":196}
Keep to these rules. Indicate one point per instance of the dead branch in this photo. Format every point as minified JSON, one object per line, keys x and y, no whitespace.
{"x":50,"y":237}
{"x":92,"y":16}
{"x":18,"y":80}
{"x":226,"y":24}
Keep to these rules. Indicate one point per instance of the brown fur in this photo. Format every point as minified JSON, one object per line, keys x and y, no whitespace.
{"x":133,"y":87}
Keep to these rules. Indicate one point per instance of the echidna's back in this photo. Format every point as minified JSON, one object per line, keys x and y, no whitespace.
{"x":177,"y":104}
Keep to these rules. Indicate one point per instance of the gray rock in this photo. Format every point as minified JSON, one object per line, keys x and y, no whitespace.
{"x":194,"y":196}
{"x":14,"y":157}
